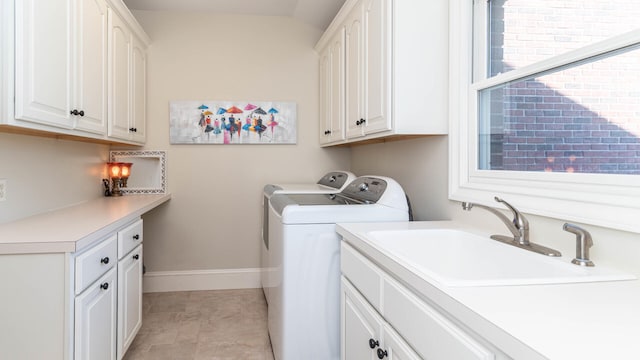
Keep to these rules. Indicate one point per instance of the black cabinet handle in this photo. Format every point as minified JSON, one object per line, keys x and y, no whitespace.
{"x":76,"y":112}
{"x":361,"y":121}
{"x":373,"y":343}
{"x":382,"y":353}
{"x":136,"y":257}
{"x":133,"y":129}
{"x":104,"y":286}
{"x":136,"y":237}
{"x":105,"y":260}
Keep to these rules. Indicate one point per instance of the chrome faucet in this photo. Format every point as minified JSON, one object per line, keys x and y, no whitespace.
{"x":583,"y":243}
{"x":519,"y":227}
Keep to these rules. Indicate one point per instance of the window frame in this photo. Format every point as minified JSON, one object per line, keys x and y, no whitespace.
{"x":606,"y":200}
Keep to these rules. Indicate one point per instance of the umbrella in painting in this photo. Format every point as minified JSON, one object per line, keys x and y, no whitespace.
{"x":233,"y":125}
{"x":272,"y":122}
{"x":202,"y":108}
{"x":234,"y":110}
{"x":259,"y":127}
{"x":250,"y":107}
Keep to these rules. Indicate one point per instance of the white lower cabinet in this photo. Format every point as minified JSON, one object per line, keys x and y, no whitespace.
{"x":95,"y":320}
{"x":365,"y":333}
{"x":108,"y":302}
{"x":383,"y":319}
{"x":129,"y":298}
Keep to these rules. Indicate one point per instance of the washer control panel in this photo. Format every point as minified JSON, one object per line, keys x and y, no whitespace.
{"x":366,"y":189}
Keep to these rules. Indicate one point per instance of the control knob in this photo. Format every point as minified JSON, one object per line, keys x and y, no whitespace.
{"x":363,"y":187}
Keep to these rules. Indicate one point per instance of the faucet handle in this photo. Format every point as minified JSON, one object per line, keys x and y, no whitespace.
{"x":519,"y":220}
{"x":583,"y":243}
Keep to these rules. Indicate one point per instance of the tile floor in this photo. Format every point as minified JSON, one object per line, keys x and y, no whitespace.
{"x":199,"y":325}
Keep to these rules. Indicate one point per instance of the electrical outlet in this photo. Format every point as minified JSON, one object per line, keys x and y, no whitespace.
{"x":3,"y":189}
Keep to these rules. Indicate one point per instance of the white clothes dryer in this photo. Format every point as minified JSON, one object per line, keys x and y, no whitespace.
{"x":332,"y":182}
{"x":304,"y":309}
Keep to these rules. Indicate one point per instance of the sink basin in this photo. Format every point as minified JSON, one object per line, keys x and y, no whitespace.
{"x":459,"y":258}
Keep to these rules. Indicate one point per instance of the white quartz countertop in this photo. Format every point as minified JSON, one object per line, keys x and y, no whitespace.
{"x":598,"y":320}
{"x":72,"y":228}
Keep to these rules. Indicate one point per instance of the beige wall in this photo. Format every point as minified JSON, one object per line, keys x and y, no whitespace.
{"x":44,"y":174}
{"x":423,"y":174}
{"x":214,"y":217}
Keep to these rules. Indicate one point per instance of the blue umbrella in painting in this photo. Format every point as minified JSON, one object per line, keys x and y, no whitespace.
{"x":221,"y":111}
{"x":202,"y":108}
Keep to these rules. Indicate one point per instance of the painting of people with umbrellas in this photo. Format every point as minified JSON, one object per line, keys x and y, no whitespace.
{"x":232,"y":122}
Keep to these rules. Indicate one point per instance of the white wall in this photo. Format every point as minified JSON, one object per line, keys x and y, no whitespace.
{"x":213,"y":220}
{"x":45,"y":174}
{"x":421,"y":165}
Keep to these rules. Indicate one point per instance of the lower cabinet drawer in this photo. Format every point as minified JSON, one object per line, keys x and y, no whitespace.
{"x":93,"y":263}
{"x":362,"y":273}
{"x":129,"y":238}
{"x":432,"y":335}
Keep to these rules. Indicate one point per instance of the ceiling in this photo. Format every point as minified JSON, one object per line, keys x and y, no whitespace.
{"x":317,"y":13}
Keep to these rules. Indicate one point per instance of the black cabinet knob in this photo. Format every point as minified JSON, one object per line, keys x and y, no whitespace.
{"x":373,"y":343}
{"x":136,"y":257}
{"x":76,"y":112}
{"x":104,"y":286}
{"x":382,"y":353}
{"x":136,"y":237}
{"x":133,"y":129}
{"x":105,"y":260}
{"x":360,"y":122}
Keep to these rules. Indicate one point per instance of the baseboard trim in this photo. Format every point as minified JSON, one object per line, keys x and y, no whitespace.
{"x":192,"y":280}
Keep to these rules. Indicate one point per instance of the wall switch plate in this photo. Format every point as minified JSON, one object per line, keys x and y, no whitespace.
{"x":3,"y":189}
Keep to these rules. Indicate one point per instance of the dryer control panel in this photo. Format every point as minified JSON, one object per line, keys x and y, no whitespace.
{"x":334,"y":179}
{"x":366,"y":189}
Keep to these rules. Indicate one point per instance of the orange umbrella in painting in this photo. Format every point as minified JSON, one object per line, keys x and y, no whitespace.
{"x":234,"y":110}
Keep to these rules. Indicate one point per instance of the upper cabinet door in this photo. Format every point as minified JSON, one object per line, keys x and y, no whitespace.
{"x":44,"y":62}
{"x":377,"y":17}
{"x":332,"y":90}
{"x":138,"y":90}
{"x":119,"y":75}
{"x":354,"y":93}
{"x":91,"y":66}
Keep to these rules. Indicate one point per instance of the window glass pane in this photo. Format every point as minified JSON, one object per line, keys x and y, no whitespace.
{"x":583,"y":118}
{"x":526,"y":31}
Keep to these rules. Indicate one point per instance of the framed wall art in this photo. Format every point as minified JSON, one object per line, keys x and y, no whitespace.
{"x":232,"y":122}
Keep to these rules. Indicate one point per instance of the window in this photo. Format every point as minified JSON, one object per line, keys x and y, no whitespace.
{"x":545,"y":107}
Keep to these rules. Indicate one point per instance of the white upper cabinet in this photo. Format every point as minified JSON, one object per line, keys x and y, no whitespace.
{"x":91,"y":66}
{"x":62,"y":55}
{"x":332,"y":90}
{"x":395,"y":69}
{"x":44,"y":62}
{"x":138,"y":91}
{"x":119,"y":74}
{"x":128,"y":82}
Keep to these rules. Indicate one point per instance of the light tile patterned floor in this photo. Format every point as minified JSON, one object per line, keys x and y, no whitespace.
{"x":199,"y":325}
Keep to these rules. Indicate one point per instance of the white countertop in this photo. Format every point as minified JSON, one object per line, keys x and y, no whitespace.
{"x":72,"y":228}
{"x":563,"y":321}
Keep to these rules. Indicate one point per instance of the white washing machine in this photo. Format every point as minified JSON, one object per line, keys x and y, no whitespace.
{"x":332,"y":182}
{"x":304,"y":309}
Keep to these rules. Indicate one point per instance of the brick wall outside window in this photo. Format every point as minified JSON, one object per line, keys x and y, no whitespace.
{"x":581,"y":119}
